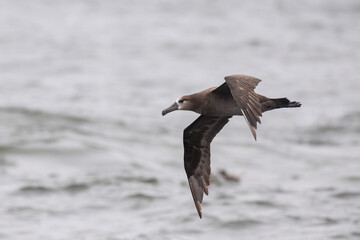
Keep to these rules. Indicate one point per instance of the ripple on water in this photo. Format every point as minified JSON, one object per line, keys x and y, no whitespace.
{"x":352,"y":178}
{"x":76,"y":187}
{"x":24,"y":126}
{"x":140,"y":179}
{"x":240,"y":223}
{"x":36,"y":190}
{"x":328,"y":221}
{"x":143,"y":196}
{"x":346,"y":195}
{"x":263,"y":203}
{"x":339,"y":236}
{"x":30,"y":212}
{"x":328,"y":133}
{"x":356,"y":234}
{"x":42,"y":115}
{"x":5,"y":163}
{"x":351,"y":235}
{"x":325,"y":189}
{"x":40,"y":190}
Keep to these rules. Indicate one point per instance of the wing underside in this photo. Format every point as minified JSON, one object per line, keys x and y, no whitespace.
{"x":197,"y":139}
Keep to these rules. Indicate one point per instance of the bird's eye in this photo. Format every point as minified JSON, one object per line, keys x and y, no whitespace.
{"x":181,"y":101}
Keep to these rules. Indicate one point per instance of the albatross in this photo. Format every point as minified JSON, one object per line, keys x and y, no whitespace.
{"x":216,"y":105}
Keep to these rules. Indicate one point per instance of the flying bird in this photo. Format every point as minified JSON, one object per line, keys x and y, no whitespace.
{"x":216,"y":106}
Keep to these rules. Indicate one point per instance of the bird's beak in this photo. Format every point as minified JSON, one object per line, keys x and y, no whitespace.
{"x":173,"y":107}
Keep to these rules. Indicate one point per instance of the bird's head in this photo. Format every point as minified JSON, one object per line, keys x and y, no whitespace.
{"x":182,"y":103}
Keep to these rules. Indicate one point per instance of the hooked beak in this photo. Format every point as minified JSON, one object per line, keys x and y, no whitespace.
{"x":173,"y":107}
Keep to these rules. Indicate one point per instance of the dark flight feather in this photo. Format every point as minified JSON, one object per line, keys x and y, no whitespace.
{"x":242,"y":89}
{"x":197,"y":139}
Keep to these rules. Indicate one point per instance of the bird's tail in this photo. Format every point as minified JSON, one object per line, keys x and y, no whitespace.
{"x":285,"y":103}
{"x":273,"y":103}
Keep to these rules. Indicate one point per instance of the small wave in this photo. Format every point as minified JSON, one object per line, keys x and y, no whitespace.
{"x":295,"y":217}
{"x":339,"y":236}
{"x":39,"y":114}
{"x":4,"y":162}
{"x":355,"y":234}
{"x":39,"y":190}
{"x":21,"y":209}
{"x":241,"y":223}
{"x":343,"y":236}
{"x":24,"y":126}
{"x":346,"y":195}
{"x":263,"y":203}
{"x":352,"y":178}
{"x":324,"y":189}
{"x":347,"y":126}
{"x":36,"y":190}
{"x":140,"y":179}
{"x":327,"y":221}
{"x":142,"y":196}
{"x":30,"y":212}
{"x":76,"y":187}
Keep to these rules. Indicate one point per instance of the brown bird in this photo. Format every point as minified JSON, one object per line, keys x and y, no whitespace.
{"x":216,"y":105}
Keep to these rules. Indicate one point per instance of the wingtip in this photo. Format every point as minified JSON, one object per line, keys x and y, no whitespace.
{"x":253,"y":131}
{"x":199,"y":208}
{"x":206,"y":190}
{"x":252,"y":128}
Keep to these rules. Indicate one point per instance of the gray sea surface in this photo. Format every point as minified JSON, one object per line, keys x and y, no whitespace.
{"x":86,"y":154}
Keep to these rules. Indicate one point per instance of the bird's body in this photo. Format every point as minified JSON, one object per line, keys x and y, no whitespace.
{"x":216,"y":106}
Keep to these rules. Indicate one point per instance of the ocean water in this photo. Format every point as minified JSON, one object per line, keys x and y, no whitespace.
{"x":86,"y":154}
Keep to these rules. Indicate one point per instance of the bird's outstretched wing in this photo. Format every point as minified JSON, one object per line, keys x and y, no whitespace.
{"x":197,"y":139}
{"x":241,"y":87}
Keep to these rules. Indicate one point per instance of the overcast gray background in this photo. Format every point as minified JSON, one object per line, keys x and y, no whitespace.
{"x":86,"y":154}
